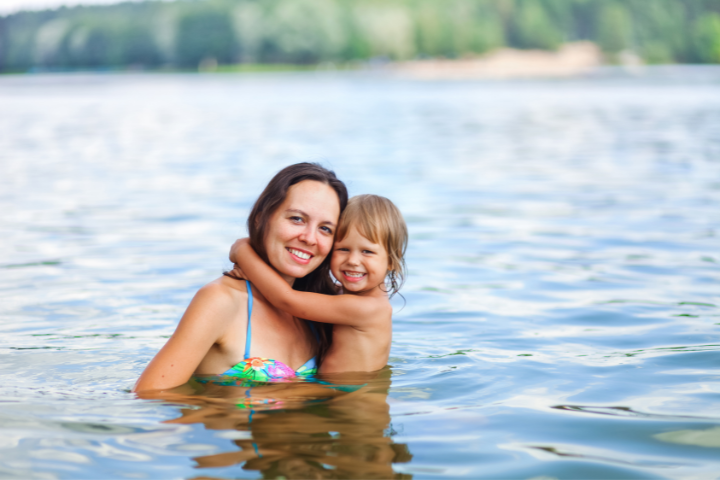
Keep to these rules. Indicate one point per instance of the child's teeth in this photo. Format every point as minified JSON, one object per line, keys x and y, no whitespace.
{"x":300,"y":254}
{"x":352,"y":274}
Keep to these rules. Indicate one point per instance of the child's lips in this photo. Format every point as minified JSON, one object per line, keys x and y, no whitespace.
{"x":353,"y":276}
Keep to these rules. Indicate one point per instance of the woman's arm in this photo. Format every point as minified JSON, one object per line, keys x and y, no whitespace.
{"x":337,"y":309}
{"x":203,"y":323}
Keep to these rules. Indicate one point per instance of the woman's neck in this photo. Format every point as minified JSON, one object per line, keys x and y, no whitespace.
{"x":290,"y":280}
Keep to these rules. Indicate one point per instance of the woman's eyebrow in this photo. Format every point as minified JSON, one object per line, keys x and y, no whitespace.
{"x":295,"y":210}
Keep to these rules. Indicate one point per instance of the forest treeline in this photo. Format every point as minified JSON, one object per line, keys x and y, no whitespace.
{"x":186,"y":33}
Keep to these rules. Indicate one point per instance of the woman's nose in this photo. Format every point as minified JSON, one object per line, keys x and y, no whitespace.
{"x":308,"y":236}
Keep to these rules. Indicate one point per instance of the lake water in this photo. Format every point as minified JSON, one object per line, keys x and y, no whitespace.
{"x":562,"y":310}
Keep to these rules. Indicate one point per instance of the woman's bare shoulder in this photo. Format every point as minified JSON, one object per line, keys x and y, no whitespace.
{"x":222,"y":293}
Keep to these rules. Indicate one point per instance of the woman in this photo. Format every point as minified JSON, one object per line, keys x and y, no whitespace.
{"x":230,"y":328}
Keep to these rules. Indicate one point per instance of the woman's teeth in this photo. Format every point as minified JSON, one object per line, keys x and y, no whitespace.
{"x":298,"y":253}
{"x":354,"y":274}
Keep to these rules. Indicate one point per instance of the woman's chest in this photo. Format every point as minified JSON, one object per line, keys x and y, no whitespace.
{"x":279,"y":336}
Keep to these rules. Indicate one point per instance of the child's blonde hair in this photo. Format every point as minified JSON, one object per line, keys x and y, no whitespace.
{"x":380,"y":221}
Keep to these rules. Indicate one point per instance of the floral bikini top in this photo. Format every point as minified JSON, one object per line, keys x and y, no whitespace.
{"x":258,"y":369}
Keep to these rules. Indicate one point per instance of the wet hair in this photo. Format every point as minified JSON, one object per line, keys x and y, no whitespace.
{"x":380,"y":221}
{"x":319,"y":280}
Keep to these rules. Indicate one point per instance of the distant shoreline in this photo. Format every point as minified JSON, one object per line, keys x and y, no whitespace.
{"x":572,"y":60}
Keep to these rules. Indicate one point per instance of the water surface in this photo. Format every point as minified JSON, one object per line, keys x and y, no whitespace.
{"x":562,"y":309}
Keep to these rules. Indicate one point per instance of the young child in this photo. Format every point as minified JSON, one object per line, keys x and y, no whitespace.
{"x":367,"y":260}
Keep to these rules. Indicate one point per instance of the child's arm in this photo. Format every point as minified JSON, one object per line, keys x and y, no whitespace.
{"x":337,"y":309}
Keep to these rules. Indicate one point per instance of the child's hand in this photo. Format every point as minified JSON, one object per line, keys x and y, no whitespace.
{"x":237,"y":273}
{"x":235,"y":248}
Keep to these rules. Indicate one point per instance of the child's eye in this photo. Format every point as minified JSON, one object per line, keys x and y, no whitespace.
{"x":369,"y":252}
{"x":341,"y":249}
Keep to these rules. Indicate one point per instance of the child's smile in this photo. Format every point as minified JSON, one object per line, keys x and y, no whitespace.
{"x":353,"y":276}
{"x":358,"y":263}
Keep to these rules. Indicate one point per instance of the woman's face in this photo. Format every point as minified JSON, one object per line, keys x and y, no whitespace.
{"x":301,"y":231}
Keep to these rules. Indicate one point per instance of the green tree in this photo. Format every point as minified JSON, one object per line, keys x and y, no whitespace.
{"x":661,"y":28}
{"x":706,"y":38}
{"x":614,"y":28}
{"x":205,"y":34}
{"x":489,"y":30}
{"x":431,"y":30}
{"x":98,"y":48}
{"x":472,"y":28}
{"x":533,"y":28}
{"x":303,"y":31}
{"x":138,"y":47}
{"x":357,"y":46}
{"x":186,"y":32}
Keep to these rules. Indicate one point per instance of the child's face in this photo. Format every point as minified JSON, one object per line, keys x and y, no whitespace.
{"x":358,"y":263}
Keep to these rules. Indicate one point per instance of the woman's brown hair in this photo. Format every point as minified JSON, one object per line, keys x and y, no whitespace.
{"x":317,"y":281}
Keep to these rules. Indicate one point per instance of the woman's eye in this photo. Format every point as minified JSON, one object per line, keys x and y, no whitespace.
{"x":296,"y":219}
{"x":327,"y":230}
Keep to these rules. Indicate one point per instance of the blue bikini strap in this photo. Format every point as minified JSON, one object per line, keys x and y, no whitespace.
{"x":249,"y":329}
{"x":314,"y":330}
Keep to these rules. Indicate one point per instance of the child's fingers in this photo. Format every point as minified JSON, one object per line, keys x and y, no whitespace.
{"x":237,"y":272}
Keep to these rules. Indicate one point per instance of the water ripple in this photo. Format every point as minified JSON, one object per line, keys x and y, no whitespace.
{"x":561,"y":313}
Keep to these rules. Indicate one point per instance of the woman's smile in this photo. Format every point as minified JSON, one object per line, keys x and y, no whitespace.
{"x":301,"y":256}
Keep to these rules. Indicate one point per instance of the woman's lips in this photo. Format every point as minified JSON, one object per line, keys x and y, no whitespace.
{"x":353,"y":276}
{"x":300,"y":256}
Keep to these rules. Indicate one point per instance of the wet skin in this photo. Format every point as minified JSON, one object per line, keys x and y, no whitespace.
{"x":210,"y":337}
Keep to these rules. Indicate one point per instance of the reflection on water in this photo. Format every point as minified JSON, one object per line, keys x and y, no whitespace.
{"x":302,"y":430}
{"x":562,"y":312}
{"x":619,"y":412}
{"x":702,"y":438}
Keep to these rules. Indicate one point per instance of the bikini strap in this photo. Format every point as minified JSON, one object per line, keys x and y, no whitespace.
{"x":249,"y":328}
{"x":314,"y":330}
